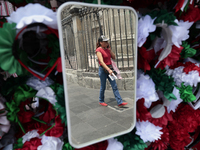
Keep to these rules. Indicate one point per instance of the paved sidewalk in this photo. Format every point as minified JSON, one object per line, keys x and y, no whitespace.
{"x":90,"y":121}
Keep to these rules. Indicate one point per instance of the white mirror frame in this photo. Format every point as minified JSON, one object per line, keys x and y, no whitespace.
{"x":64,"y":76}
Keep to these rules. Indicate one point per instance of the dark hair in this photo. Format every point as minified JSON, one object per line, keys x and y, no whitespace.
{"x":98,"y":43}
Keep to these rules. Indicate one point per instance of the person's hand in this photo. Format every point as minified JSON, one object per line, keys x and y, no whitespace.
{"x":109,"y":48}
{"x":110,"y":72}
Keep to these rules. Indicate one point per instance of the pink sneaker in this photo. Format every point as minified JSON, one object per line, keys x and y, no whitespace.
{"x":103,"y":104}
{"x":122,"y":104}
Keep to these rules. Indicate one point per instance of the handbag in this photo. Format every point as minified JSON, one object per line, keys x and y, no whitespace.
{"x":111,"y":68}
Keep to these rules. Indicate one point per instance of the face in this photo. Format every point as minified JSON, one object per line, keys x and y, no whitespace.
{"x":104,"y":44}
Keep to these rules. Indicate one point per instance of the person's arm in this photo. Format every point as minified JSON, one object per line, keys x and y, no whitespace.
{"x":111,"y":53}
{"x":100,"y":58}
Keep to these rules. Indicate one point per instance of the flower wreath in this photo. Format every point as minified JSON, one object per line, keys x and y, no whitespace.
{"x":18,"y":52}
{"x":25,"y":110}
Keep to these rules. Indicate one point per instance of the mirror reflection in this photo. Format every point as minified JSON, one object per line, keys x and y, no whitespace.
{"x":99,"y":42}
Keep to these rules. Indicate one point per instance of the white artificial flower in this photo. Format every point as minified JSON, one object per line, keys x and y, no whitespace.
{"x":38,"y":84}
{"x":48,"y":94}
{"x":33,"y":13}
{"x":148,"y":131}
{"x":50,"y":143}
{"x":192,"y":78}
{"x":174,"y":103}
{"x":29,"y":135}
{"x":114,"y":144}
{"x":181,"y":32}
{"x":145,"y":26}
{"x":146,"y":89}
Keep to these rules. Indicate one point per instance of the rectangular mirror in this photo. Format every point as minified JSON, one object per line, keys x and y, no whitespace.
{"x":80,"y":27}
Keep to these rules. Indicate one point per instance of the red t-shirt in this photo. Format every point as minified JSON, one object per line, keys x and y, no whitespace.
{"x":105,"y":54}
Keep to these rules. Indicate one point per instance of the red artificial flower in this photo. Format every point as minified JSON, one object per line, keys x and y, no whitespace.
{"x":179,"y":137}
{"x":49,"y":114}
{"x":144,"y":58}
{"x":162,"y":143}
{"x":35,"y":125}
{"x":172,"y":58}
{"x":187,"y":117}
{"x":58,"y":129}
{"x":98,"y":146}
{"x":192,"y":14}
{"x":31,"y":145}
{"x":189,"y":66}
{"x":186,"y":120}
{"x":179,"y":5}
{"x":142,"y":113}
{"x":162,"y":121}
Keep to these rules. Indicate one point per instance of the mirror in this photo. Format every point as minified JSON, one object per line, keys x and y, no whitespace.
{"x":80,"y":25}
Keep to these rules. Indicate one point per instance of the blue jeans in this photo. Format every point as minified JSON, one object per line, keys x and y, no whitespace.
{"x":103,"y":76}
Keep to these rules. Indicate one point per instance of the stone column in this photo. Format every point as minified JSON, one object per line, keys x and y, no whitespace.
{"x":77,"y":29}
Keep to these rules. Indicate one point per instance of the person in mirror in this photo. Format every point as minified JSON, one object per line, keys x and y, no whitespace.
{"x":104,"y":55}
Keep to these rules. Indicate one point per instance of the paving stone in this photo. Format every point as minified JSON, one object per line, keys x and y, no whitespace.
{"x":111,"y":129}
{"x":79,"y":109}
{"x":81,"y":128}
{"x":126,"y":122}
{"x":88,"y":115}
{"x":99,"y":122}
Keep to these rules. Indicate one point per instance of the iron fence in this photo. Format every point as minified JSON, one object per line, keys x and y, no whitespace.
{"x":116,"y":24}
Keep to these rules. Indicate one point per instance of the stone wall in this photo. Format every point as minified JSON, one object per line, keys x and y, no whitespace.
{"x":92,"y":80}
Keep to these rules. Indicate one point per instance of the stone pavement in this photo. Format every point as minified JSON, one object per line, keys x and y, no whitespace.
{"x":90,"y":121}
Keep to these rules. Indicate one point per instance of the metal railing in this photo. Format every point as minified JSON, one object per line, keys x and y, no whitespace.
{"x":116,"y":24}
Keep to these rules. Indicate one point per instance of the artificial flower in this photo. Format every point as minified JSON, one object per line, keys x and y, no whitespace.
{"x":114,"y":144}
{"x":12,"y":111}
{"x":187,"y":117}
{"x":146,"y":90}
{"x":29,"y":135}
{"x":144,"y":58}
{"x":148,"y":131}
{"x":49,"y":114}
{"x":38,"y":84}
{"x":186,"y":120}
{"x":145,"y":26}
{"x":186,"y":93}
{"x":48,"y":94}
{"x":192,"y":78}
{"x":22,"y":93}
{"x":163,"y":16}
{"x":57,"y":129}
{"x":187,"y":51}
{"x":8,"y":61}
{"x":31,"y":145}
{"x":142,"y":113}
{"x":163,"y":82}
{"x":60,"y":104}
{"x":181,"y":32}
{"x":174,"y":103}
{"x":98,"y":146}
{"x":191,"y":15}
{"x":162,"y":143}
{"x":131,"y":141}
{"x":189,"y":66}
{"x":163,"y":120}
{"x":8,"y":138}
{"x":67,"y":146}
{"x":50,"y":143}
{"x":24,"y":115}
{"x":181,"y":5}
{"x":42,"y":15}
{"x":171,"y":59}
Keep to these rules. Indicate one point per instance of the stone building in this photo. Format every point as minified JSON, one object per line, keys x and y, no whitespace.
{"x":81,"y":28}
